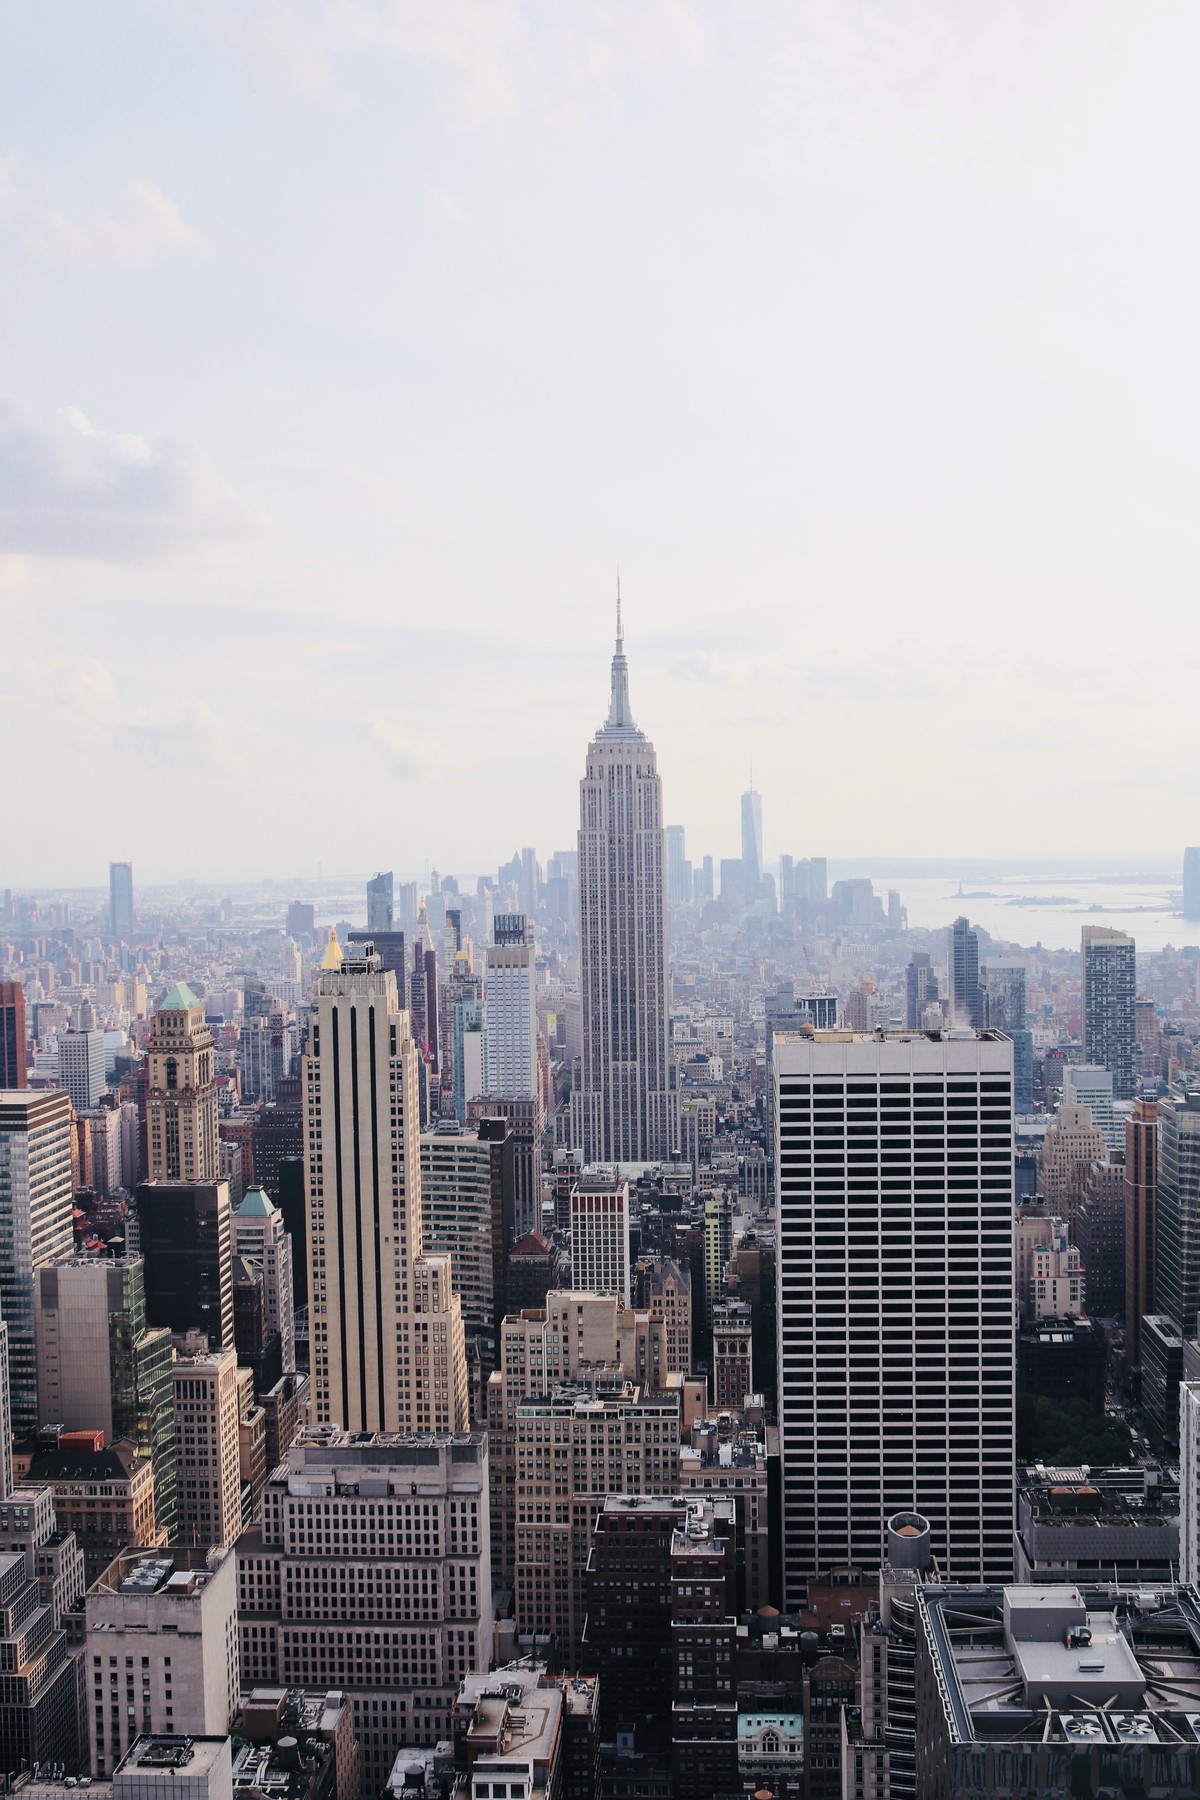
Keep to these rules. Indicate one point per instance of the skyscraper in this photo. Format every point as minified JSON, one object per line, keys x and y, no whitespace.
{"x":181,"y":1092}
{"x":895,"y":1297}
{"x":965,"y":994}
{"x":600,"y":1236}
{"x":1004,"y":1009}
{"x":679,"y":869}
{"x":752,"y":844}
{"x":380,"y":910}
{"x":386,"y":1328}
{"x":81,"y":1067}
{"x":510,"y":1011}
{"x":257,"y":1231}
{"x":920,"y":989}
{"x":1191,"y":882}
{"x":35,"y":1224}
{"x":184,"y":1227}
{"x":1141,"y":1223}
{"x":13,"y":1063}
{"x":1109,"y":1010}
{"x":621,"y":1104}
{"x":1178,"y":1252}
{"x":120,"y":899}
{"x":101,"y":1368}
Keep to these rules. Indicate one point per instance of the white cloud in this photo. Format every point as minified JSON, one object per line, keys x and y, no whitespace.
{"x":185,"y":739}
{"x":497,"y":58}
{"x":401,"y":759}
{"x":147,"y":228}
{"x":67,"y":489}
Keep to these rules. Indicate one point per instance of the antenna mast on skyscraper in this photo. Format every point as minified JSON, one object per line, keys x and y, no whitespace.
{"x":619,"y":633}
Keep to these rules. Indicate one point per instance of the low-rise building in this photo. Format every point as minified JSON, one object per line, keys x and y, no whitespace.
{"x":1047,"y":1691}
{"x":160,"y":1654}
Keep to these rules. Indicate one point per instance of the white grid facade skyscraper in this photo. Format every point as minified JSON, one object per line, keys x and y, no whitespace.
{"x":895,"y":1291}
{"x":621,"y":1109}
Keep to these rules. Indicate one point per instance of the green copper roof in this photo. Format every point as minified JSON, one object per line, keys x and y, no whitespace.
{"x":180,"y":999}
{"x":257,"y":1204}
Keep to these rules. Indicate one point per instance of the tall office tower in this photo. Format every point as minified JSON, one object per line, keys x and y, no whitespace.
{"x":600,"y":1235}
{"x":301,"y":918}
{"x":181,"y":1093}
{"x":1141,"y":1223}
{"x":208,"y":1471}
{"x":717,"y":1227}
{"x":120,"y":899}
{"x":752,"y":844}
{"x":160,"y":1653}
{"x":81,"y":1067}
{"x":920,"y":989}
{"x":524,"y":1119}
{"x":467,"y":1198}
{"x":35,"y":1224}
{"x":102,"y":1368}
{"x":1109,"y":1006}
{"x":1004,"y":1009}
{"x":467,"y":1026}
{"x":629,"y":1632}
{"x":370,"y":1571}
{"x":6,"y":1465}
{"x":1087,"y":1084}
{"x":380,"y":908}
{"x":621,"y":1109}
{"x":704,"y":881}
{"x":385,"y":1326}
{"x":186,"y":1246}
{"x":41,"y":1697}
{"x":895,"y":1195}
{"x":13,"y":1053}
{"x":704,"y":1636}
{"x":1177,"y":1287}
{"x":580,"y":1443}
{"x":257,"y":1231}
{"x":1191,"y":882}
{"x":965,"y":994}
{"x":510,"y":1011}
{"x":679,"y":869}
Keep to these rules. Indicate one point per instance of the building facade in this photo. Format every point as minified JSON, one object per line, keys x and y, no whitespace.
{"x":35,"y":1224}
{"x":185,"y":1235}
{"x":385,"y":1325}
{"x":370,"y":1572}
{"x":895,"y":1196}
{"x":181,"y":1092}
{"x":621,"y":1107}
{"x":1109,"y":1006}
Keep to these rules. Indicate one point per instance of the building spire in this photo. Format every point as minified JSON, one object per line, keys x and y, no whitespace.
{"x":620,"y":718}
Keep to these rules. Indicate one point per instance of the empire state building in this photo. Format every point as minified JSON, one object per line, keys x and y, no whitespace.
{"x":622,"y":1105}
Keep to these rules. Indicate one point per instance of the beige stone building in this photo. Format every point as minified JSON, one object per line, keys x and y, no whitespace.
{"x":207,"y":1450}
{"x":574,"y":1446}
{"x":370,"y":1572}
{"x":1071,"y":1145}
{"x":181,"y":1106}
{"x":385,"y":1325}
{"x":160,"y":1653}
{"x":576,"y":1335}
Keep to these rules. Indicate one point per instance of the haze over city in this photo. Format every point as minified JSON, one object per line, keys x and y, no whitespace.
{"x":348,"y":349}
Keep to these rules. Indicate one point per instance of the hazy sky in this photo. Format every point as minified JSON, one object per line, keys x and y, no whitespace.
{"x":346,"y":348}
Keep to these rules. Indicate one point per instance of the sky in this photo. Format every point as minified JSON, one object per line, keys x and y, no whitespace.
{"x":348,"y":349}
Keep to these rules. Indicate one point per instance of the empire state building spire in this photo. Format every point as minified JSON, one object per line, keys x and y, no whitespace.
{"x":623,"y":1102}
{"x":619,"y":726}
